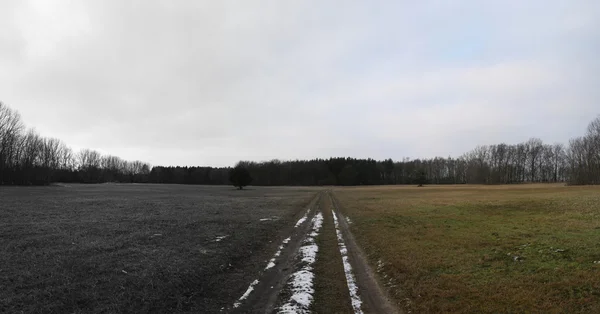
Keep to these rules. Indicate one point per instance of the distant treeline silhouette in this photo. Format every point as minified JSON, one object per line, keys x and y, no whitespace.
{"x":26,"y":158}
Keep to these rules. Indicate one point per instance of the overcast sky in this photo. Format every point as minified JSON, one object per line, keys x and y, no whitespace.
{"x":213,"y":82}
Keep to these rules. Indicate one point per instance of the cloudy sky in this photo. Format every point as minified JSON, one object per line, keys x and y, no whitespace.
{"x":213,"y":82}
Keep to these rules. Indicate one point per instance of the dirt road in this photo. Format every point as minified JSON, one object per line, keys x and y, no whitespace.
{"x":287,"y":282}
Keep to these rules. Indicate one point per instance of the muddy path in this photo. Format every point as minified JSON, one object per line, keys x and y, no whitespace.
{"x":262,"y":295}
{"x":273,"y":289}
{"x":374,"y":298}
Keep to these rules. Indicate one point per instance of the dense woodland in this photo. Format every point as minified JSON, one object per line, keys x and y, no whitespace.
{"x":26,"y":158}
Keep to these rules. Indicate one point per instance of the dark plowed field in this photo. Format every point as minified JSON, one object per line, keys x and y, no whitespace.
{"x":137,"y":248}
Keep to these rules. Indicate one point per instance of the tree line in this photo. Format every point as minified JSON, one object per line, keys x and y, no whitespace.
{"x":27,"y":158}
{"x":584,"y":156}
{"x":528,"y":162}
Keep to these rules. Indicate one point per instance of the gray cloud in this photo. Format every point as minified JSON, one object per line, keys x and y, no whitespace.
{"x":212,"y":82}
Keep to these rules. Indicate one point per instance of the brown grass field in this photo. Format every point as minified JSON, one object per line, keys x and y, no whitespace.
{"x":482,"y":249}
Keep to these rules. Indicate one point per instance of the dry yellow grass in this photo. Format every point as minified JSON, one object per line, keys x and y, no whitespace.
{"x":516,"y":248}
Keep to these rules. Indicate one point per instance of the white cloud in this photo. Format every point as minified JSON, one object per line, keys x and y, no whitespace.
{"x":212,"y":82}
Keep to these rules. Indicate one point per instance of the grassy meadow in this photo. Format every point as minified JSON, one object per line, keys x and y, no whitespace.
{"x":473,"y":249}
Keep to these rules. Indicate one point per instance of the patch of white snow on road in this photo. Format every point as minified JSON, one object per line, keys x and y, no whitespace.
{"x":269,"y":218}
{"x":303,"y":219}
{"x":246,"y":294}
{"x":380,"y":265}
{"x":352,"y":287}
{"x":270,"y":265}
{"x":276,"y":255}
{"x":220,"y":238}
{"x":301,"y":284}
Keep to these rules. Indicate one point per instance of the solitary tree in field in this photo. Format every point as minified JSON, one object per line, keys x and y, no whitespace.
{"x":240,"y":177}
{"x":421,"y":178}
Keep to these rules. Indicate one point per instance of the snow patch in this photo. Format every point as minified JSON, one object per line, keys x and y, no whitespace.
{"x":61,"y":185}
{"x":246,"y":294}
{"x":348,"y":220}
{"x":380,"y":265}
{"x":220,"y":238}
{"x":276,"y":255}
{"x":303,"y":219}
{"x":270,"y":265}
{"x":269,"y":218}
{"x":301,"y":283}
{"x":350,"y":279}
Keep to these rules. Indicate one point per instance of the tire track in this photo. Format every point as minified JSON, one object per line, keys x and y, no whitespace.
{"x":331,"y":289}
{"x":350,"y":279}
{"x":262,"y":294}
{"x":372,"y":297}
{"x":287,"y":283}
{"x":301,"y":283}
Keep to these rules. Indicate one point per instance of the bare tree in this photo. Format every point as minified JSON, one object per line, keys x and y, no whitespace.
{"x":558,"y":162}
{"x":534,"y":148}
{"x":11,"y":128}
